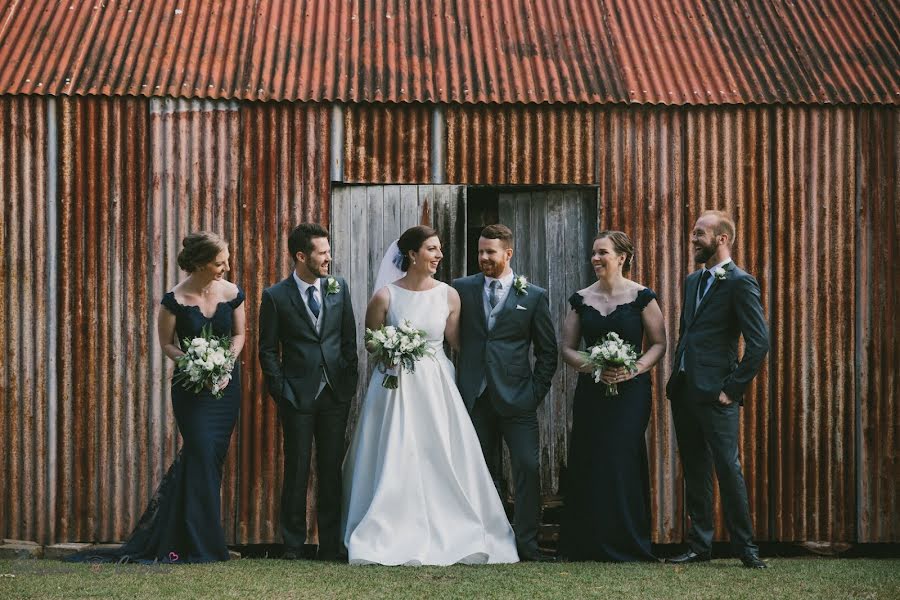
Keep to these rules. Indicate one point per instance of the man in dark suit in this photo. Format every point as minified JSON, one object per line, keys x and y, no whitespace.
{"x":502,"y":317}
{"x":721,"y":304}
{"x":307,"y":350}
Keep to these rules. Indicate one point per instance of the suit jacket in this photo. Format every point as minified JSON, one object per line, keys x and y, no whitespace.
{"x":708,"y":335}
{"x":293,"y":354}
{"x":500,"y":354}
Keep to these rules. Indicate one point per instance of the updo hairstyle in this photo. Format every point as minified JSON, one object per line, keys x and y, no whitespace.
{"x":411,"y":240}
{"x":622,"y":244}
{"x":198,"y":249}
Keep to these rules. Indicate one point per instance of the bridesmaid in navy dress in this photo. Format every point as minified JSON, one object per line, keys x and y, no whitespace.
{"x":607,"y":485}
{"x":183,"y":522}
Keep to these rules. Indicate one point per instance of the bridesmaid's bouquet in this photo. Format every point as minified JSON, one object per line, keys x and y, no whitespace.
{"x":207,"y":362}
{"x":610,"y":352}
{"x":397,"y":348}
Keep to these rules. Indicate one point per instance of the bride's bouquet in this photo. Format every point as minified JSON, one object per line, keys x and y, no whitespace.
{"x":610,"y":352}
{"x":207,"y":362}
{"x":397,"y":348}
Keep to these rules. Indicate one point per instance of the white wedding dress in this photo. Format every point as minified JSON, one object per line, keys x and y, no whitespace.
{"x":416,"y":487}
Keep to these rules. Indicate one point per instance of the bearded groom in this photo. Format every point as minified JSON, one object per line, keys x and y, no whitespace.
{"x":502,"y":317}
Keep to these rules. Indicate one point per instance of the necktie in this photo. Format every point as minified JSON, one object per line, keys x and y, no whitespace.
{"x":313,"y":303}
{"x":704,"y":279}
{"x":492,"y":298}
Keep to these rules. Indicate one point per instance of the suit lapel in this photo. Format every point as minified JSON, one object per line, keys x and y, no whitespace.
{"x":478,"y":300}
{"x":509,"y":302}
{"x":299,"y":304}
{"x":712,"y":289}
{"x":690,"y":301}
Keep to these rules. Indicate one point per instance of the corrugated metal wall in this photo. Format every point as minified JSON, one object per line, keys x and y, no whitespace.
{"x":814,"y":191}
{"x":878,"y":321}
{"x":641,"y":170}
{"x":813,"y":310}
{"x":727,"y":167}
{"x":520,"y":145}
{"x":387,"y":144}
{"x":27,"y":318}
{"x":134,"y":176}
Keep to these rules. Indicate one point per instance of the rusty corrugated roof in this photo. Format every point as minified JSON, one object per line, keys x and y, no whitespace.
{"x":457,"y":51}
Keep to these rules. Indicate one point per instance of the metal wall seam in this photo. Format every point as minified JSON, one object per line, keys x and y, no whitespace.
{"x":52,"y":282}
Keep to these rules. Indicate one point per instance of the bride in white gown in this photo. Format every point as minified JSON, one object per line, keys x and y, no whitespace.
{"x":416,"y":488}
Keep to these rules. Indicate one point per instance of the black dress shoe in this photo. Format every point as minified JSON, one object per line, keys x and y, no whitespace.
{"x":688,"y":557}
{"x":537,"y":558}
{"x":752,"y":561}
{"x":291,"y":554}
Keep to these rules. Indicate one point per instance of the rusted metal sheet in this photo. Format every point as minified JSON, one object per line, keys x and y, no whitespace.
{"x":878,"y":307}
{"x":813,"y":306}
{"x":25,"y":317}
{"x":249,"y":175}
{"x":114,"y":428}
{"x":387,"y":143}
{"x":520,"y":145}
{"x":284,"y":180}
{"x":727,"y":166}
{"x":195,"y":168}
{"x":641,"y":176}
{"x":684,"y":52}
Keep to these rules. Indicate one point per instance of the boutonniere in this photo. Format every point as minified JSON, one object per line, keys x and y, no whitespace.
{"x":332,"y":286}
{"x":720,"y":273}
{"x":520,"y":283}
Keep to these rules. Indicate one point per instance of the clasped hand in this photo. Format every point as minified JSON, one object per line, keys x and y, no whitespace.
{"x":612,"y":375}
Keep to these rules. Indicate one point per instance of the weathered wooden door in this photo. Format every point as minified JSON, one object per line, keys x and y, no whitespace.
{"x":366,"y":219}
{"x":553,"y":231}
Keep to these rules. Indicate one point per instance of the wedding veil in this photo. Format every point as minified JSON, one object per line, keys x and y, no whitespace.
{"x":389,"y":271}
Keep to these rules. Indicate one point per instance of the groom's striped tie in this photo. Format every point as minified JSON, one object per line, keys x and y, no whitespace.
{"x":492,"y":298}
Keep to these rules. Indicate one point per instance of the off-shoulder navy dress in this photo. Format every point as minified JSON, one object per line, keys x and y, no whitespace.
{"x":607,"y":484}
{"x":183,"y":522}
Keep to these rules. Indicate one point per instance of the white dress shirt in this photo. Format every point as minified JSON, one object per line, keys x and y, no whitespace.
{"x":505,"y":285}
{"x":709,"y":281}
{"x":303,"y":286}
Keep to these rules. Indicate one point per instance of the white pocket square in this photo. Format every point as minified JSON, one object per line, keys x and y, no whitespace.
{"x":520,"y":307}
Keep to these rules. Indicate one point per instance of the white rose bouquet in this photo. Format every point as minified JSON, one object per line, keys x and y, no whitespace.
{"x":610,"y":352}
{"x":207,"y":362}
{"x":397,"y":348}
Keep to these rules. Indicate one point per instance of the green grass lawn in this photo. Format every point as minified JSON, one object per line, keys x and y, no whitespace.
{"x":258,"y":579}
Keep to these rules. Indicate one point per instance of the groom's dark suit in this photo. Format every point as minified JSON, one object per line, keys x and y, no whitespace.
{"x":706,"y":363}
{"x":299,"y":354}
{"x":494,"y":348}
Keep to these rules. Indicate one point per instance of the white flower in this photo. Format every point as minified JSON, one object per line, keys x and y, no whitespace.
{"x":720,"y":273}
{"x":199,"y":343}
{"x":218,"y":357}
{"x":332,"y":286}
{"x":520,"y":283}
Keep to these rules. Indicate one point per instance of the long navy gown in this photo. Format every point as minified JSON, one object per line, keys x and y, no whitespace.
{"x":606,"y":516}
{"x":183,"y":522}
